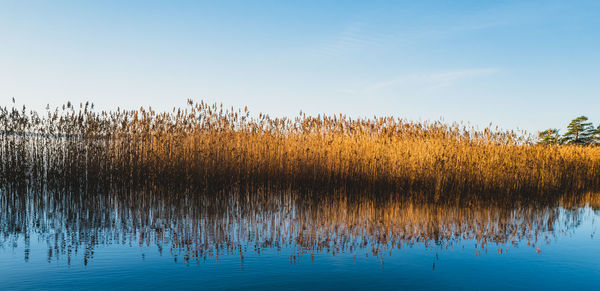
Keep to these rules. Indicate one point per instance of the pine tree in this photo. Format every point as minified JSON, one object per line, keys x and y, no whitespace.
{"x":579,"y":132}
{"x":549,"y":136}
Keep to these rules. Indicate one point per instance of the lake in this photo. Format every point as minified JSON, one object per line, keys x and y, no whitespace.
{"x":125,"y":239}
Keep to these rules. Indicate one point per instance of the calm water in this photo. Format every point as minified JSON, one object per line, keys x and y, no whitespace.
{"x":133,"y":240}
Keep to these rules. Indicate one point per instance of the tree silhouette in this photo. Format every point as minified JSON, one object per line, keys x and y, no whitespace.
{"x":579,"y":132}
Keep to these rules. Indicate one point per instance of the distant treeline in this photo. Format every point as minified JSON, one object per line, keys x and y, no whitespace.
{"x":579,"y":132}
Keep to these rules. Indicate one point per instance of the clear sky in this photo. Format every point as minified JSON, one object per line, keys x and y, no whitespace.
{"x":525,"y":64}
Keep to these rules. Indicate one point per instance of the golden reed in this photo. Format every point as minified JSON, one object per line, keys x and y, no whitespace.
{"x":209,"y":146}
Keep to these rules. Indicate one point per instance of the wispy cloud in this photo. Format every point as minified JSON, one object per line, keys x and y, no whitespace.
{"x":432,"y":80}
{"x":353,"y":38}
{"x":422,"y":83}
{"x":385,"y":29}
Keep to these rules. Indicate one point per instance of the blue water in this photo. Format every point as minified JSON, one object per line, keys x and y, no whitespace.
{"x":112,"y":255}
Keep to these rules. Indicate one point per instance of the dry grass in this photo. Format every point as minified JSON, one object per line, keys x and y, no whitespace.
{"x":207,"y":146}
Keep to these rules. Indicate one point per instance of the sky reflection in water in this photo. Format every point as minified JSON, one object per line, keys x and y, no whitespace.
{"x":291,"y":240}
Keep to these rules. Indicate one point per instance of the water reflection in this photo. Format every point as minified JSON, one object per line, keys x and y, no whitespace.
{"x":194,"y":226}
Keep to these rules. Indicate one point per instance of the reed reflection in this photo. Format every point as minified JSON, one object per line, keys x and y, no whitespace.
{"x":195,"y":226}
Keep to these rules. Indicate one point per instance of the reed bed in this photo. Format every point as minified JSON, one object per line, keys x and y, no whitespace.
{"x":207,"y":146}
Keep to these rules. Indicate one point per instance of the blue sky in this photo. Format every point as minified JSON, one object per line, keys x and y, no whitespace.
{"x":525,"y":64}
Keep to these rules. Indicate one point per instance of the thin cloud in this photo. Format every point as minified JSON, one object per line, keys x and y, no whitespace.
{"x":422,"y":83}
{"x":435,"y":80}
{"x":354,"y":37}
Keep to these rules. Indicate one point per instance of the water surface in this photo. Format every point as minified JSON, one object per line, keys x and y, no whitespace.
{"x":231,"y":240}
